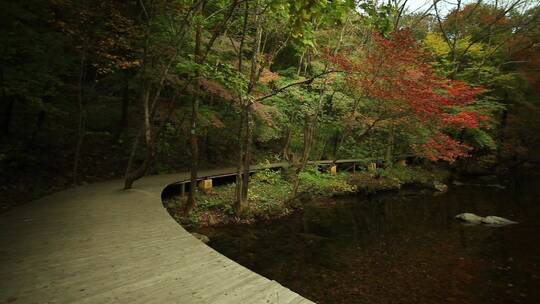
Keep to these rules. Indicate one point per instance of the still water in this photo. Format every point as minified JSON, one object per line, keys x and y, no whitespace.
{"x":400,"y":248}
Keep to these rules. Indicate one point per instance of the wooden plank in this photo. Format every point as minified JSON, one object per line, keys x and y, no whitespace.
{"x":99,"y":244}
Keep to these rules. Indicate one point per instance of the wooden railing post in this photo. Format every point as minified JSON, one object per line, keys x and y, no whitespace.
{"x":205,"y":185}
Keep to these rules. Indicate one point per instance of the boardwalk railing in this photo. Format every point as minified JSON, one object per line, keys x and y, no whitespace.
{"x":183,"y":186}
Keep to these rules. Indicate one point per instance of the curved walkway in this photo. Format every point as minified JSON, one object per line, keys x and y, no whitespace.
{"x":100,"y":244}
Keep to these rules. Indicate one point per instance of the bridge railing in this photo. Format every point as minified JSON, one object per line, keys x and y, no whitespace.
{"x":183,"y":186}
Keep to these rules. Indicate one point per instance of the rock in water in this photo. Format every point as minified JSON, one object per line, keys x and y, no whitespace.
{"x":491,"y":220}
{"x":470,"y":218}
{"x":497,"y":221}
{"x":440,"y":186}
{"x":203,"y":238}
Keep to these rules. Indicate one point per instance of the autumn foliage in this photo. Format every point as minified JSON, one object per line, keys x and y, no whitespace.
{"x":395,"y":71}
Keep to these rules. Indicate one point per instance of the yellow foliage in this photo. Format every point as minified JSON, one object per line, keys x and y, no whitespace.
{"x":435,"y":42}
{"x":476,"y":50}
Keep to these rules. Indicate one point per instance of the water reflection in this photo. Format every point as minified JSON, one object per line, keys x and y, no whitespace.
{"x":404,"y":248}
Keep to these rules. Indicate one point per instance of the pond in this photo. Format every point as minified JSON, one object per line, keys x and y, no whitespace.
{"x":400,"y":248}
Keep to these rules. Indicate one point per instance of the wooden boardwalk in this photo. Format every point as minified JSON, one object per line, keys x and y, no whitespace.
{"x":100,"y":244}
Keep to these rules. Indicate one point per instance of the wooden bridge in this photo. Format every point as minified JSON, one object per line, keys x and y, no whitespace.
{"x":100,"y":244}
{"x":182,"y":186}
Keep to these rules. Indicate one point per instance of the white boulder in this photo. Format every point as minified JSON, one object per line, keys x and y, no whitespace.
{"x":473,"y":219}
{"x":497,"y":221}
{"x":470,"y":218}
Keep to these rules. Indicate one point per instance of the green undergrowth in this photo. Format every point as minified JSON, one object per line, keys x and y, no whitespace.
{"x":269,"y":197}
{"x":319,"y":183}
{"x":270,"y":194}
{"x":394,"y":178}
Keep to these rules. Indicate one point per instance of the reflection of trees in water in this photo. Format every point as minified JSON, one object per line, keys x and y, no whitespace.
{"x":398,"y":241}
{"x":348,"y":220}
{"x":411,"y":214}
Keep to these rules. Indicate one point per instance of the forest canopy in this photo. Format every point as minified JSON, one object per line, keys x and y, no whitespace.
{"x":94,"y":90}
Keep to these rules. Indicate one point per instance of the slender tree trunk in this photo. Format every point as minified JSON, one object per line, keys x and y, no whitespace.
{"x":148,"y":122}
{"x":133,"y":152}
{"x":239,"y":166}
{"x":247,"y":152}
{"x":242,"y":192}
{"x":80,"y":139}
{"x":337,"y":144}
{"x":324,"y":152}
{"x":81,"y":122}
{"x":309,"y":131}
{"x":137,"y":141}
{"x":131,"y":177}
{"x":390,"y":148}
{"x":343,"y":135}
{"x":123,"y":123}
{"x":149,"y":112}
{"x":307,"y":62}
{"x":193,"y":139}
{"x":287,"y":144}
{"x":300,"y":63}
{"x":243,"y":38}
{"x":146,"y":129}
{"x":141,"y":171}
{"x":256,"y":48}
{"x":8,"y":101}
{"x":238,"y":203}
{"x":501,"y":136}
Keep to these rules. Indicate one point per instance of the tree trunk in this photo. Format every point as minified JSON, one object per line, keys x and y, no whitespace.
{"x":81,"y":121}
{"x":141,"y":170}
{"x":389,"y":159}
{"x":247,"y":151}
{"x":242,"y":39}
{"x":133,"y":152}
{"x":336,"y":145}
{"x":242,"y":191}
{"x":286,"y":146}
{"x":345,"y":133}
{"x":123,"y":123}
{"x":80,"y":139}
{"x":239,"y":166}
{"x":501,"y":136}
{"x":8,"y":101}
{"x":309,"y":131}
{"x":146,"y":164}
{"x":300,"y":63}
{"x":193,"y":140}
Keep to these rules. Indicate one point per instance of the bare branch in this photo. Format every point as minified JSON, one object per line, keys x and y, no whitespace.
{"x":306,"y":81}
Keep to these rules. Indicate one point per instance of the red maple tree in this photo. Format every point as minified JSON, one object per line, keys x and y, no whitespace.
{"x":395,"y":70}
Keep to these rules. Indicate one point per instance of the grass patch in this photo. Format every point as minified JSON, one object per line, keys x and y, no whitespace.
{"x":324,"y":184}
